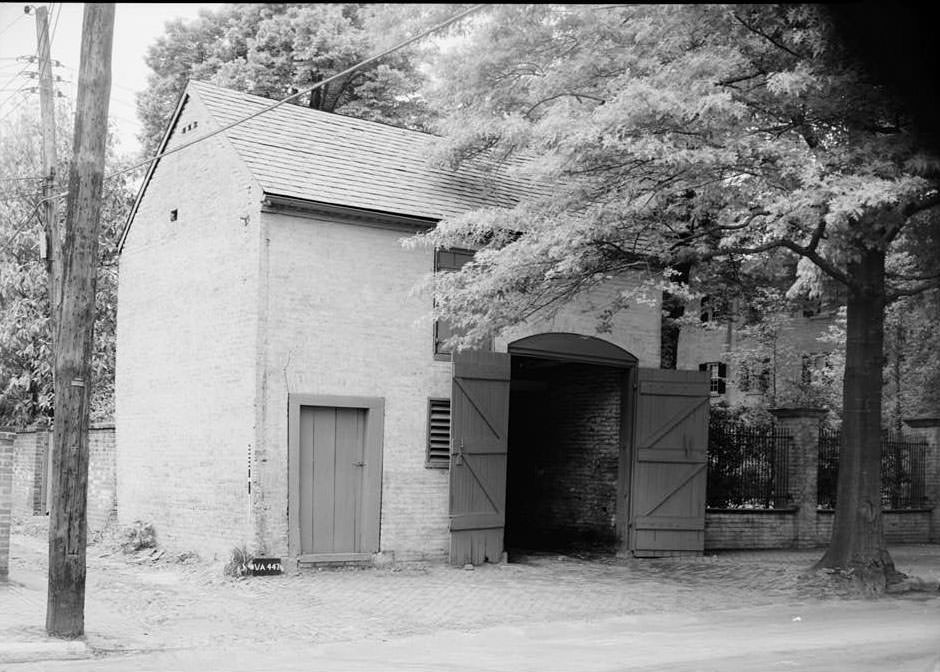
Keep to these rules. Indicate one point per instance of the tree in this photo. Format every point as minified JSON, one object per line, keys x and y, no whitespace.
{"x":693,"y":135}
{"x":26,"y":393}
{"x":275,"y":50}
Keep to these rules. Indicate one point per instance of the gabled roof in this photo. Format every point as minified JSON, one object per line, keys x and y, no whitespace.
{"x":300,"y":153}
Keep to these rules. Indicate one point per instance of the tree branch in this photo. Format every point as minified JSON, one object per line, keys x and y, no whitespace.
{"x":911,"y":291}
{"x":740,"y":78}
{"x":930,"y":200}
{"x":913,"y":278}
{"x":769,"y":38}
{"x":564,"y":94}
{"x":824,"y":265}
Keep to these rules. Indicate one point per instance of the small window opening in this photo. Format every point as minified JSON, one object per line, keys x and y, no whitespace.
{"x":438,"y":455}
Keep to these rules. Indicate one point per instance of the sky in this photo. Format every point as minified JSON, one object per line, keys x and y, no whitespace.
{"x":136,"y":26}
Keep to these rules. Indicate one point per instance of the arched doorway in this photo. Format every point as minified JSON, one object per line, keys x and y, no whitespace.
{"x":568,"y":461}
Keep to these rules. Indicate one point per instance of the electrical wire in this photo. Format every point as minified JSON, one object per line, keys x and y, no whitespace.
{"x":277,"y":104}
{"x":11,"y":24}
{"x":321,"y":83}
{"x":15,"y":107}
{"x":22,"y":227}
{"x":55,"y":24}
{"x":10,"y":81}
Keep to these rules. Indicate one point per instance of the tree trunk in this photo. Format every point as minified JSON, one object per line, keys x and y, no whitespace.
{"x":857,"y":547}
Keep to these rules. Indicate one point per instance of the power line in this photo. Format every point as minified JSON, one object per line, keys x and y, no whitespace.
{"x":11,"y":24}
{"x":22,"y":226}
{"x":275,"y":105}
{"x":15,"y":107}
{"x":55,"y":24}
{"x":321,"y":83}
{"x":9,"y":81}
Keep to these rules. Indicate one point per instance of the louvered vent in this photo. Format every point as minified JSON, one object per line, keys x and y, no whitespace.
{"x":438,"y":433}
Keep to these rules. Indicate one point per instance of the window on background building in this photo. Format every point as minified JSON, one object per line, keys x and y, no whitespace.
{"x":438,"y":453}
{"x":813,"y":362}
{"x":705,"y":309}
{"x":754,"y":376}
{"x":714,"y":309}
{"x":447,"y":260}
{"x":718,"y":375}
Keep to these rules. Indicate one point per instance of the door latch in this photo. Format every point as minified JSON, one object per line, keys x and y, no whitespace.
{"x":359,"y":464}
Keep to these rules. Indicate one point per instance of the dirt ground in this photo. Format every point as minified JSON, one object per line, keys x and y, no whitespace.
{"x":151,"y":603}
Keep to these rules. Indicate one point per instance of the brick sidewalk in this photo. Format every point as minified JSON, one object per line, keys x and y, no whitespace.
{"x":168,"y":605}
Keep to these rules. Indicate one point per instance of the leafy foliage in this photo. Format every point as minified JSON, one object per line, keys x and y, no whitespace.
{"x":677,"y":136}
{"x":275,"y":50}
{"x":679,"y":133}
{"x":26,"y":391}
{"x":138,"y":536}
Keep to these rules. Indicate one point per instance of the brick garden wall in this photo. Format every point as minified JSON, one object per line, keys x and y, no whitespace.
{"x":563,"y":459}
{"x":725,"y":530}
{"x":30,"y":464}
{"x":6,"y":500}
{"x":901,"y":527}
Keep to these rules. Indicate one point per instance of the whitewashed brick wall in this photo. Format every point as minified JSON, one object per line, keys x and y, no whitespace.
{"x":187,"y":347}
{"x":342,"y":320}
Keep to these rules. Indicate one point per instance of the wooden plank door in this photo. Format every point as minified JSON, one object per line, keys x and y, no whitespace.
{"x":667,"y":513}
{"x":479,"y":438}
{"x":332,"y":457}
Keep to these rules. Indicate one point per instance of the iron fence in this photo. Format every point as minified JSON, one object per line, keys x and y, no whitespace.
{"x":747,"y":465}
{"x":903,"y":470}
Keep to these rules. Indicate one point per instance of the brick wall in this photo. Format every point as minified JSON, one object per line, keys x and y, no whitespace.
{"x":6,"y":500}
{"x":30,"y":462}
{"x":187,"y":347}
{"x":102,"y":476}
{"x":340,"y":318}
{"x":749,"y":530}
{"x":563,"y":458}
{"x":727,"y":530}
{"x":901,"y":527}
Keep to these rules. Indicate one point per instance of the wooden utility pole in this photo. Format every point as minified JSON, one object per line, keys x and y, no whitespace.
{"x":65,"y":614}
{"x":53,"y":237}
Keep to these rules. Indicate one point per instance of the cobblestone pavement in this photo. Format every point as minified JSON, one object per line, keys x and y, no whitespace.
{"x":134,"y":603}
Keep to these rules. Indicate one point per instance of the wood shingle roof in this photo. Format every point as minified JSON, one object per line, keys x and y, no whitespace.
{"x":297,"y":152}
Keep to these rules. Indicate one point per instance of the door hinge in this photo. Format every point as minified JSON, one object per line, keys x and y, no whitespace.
{"x":458,"y":454}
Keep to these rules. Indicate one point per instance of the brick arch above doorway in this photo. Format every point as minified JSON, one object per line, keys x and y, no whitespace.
{"x":573,"y":348}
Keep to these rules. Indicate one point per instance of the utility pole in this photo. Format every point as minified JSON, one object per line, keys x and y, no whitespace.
{"x":53,"y":238}
{"x":65,"y":613}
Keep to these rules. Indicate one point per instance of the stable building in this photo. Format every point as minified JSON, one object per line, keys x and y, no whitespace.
{"x":279,"y":385}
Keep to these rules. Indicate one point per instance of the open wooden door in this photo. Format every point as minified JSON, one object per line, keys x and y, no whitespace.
{"x":479,"y":438}
{"x":667,"y":514}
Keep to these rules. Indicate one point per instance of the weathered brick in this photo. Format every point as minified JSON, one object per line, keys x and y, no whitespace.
{"x":564,"y":455}
{"x":228,"y":309}
{"x":187,"y":347}
{"x":6,"y":499}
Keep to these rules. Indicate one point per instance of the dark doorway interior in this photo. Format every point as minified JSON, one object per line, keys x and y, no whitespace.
{"x":564,"y":454}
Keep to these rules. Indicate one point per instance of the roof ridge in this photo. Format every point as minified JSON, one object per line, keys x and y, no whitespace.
{"x":198,"y":83}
